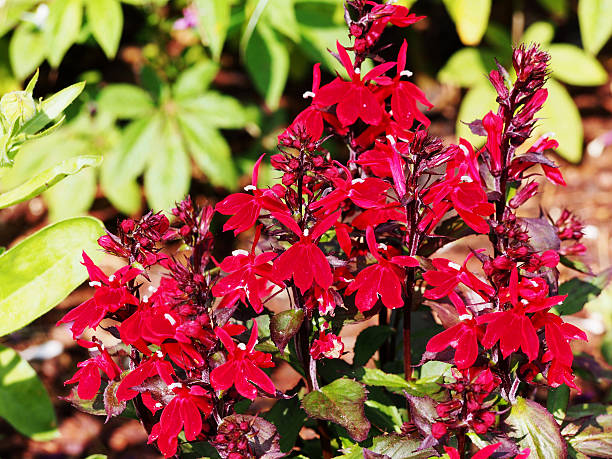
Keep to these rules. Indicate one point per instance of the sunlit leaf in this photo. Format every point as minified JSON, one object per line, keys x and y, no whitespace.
{"x":539,"y":32}
{"x":572,"y":65}
{"x":26,"y":50}
{"x":62,"y":28}
{"x":471,"y":18}
{"x":125,"y":101}
{"x":105,"y":19}
{"x":467,"y":67}
{"x":595,"y":19}
{"x":214,"y":18}
{"x":475,"y":105}
{"x":73,"y":196}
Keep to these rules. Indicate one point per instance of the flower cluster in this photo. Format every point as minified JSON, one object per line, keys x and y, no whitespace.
{"x":335,"y":239}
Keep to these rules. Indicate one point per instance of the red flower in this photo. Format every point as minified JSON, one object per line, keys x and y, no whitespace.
{"x":494,"y":125}
{"x":327,"y":345}
{"x":111,"y":294}
{"x":247,"y":271}
{"x":304,"y":260}
{"x":484,"y":453}
{"x":148,"y":368}
{"x":383,"y":279}
{"x":462,"y":337}
{"x":185,"y":410}
{"x":354,"y":98}
{"x":88,"y":375}
{"x":243,"y":367}
{"x":245,"y":208}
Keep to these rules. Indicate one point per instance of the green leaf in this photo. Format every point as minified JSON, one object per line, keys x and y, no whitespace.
{"x":47,"y":179}
{"x":539,"y":32}
{"x":106,"y":22}
{"x":24,"y":402}
{"x":383,"y":415}
{"x":467,"y":67}
{"x":267,"y":61}
{"x":62,"y":28}
{"x":535,"y":428}
{"x":280,"y":14}
{"x":43,"y":269}
{"x":52,"y":108}
{"x":576,"y":265}
{"x":210,"y":151}
{"x":26,"y":50}
{"x":195,"y":80}
{"x":214,"y":19}
{"x":556,"y":7}
{"x":168,"y":174}
{"x":471,"y":18}
{"x":369,"y":341}
{"x":572,"y":65}
{"x":125,"y":101}
{"x":284,"y":326}
{"x":216,"y":110}
{"x":475,"y":105}
{"x":97,"y":456}
{"x":11,"y":13}
{"x":73,"y":196}
{"x":556,"y":403}
{"x":592,"y":438}
{"x":401,"y":446}
{"x":580,"y":292}
{"x":341,"y":402}
{"x":560,"y":116}
{"x":595,"y":19}
{"x":396,"y":383}
{"x":288,"y":417}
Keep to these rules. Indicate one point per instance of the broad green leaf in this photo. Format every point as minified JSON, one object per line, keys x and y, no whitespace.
{"x":593,"y":438}
{"x":475,"y":105}
{"x":467,"y":67}
{"x":24,"y":401}
{"x":539,"y":32}
{"x":284,"y":326}
{"x":267,"y":61}
{"x":556,"y":7}
{"x":571,"y":65}
{"x":168,"y":174}
{"x":595,"y":19}
{"x":43,"y":269}
{"x":580,"y":292}
{"x":288,"y":417}
{"x":401,"y":446}
{"x":214,"y":19}
{"x":72,"y":197}
{"x":533,"y":427}
{"x":105,"y":19}
{"x":26,"y":50}
{"x":341,"y":402}
{"x":210,"y":151}
{"x":216,"y":110}
{"x":384,"y":416}
{"x":52,"y":107}
{"x":195,"y":80}
{"x":280,"y":14}
{"x":556,"y":403}
{"x":471,"y":18}
{"x":369,"y":341}
{"x":62,"y":28}
{"x":12,"y":11}
{"x":560,"y":116}
{"x":125,"y":101}
{"x":47,"y":179}
{"x":97,"y":456}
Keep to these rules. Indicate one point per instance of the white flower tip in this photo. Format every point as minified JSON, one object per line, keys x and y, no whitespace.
{"x":242,"y":346}
{"x":463,"y":317}
{"x":464,"y":149}
{"x":93,"y":283}
{"x":175,"y":385}
{"x":466,"y":179}
{"x":152,"y":289}
{"x":382,"y":246}
{"x":159,"y":354}
{"x":169,"y":318}
{"x":454,"y":265}
{"x":357,"y":180}
{"x":406,"y":73}
{"x":239,"y":252}
{"x":250,"y":188}
{"x":358,"y":71}
{"x":308,"y":94}
{"x":145,"y":299}
{"x":111,"y":278}
{"x":306,"y":232}
{"x":391,"y":139}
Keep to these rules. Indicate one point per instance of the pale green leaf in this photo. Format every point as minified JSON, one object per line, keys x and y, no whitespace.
{"x":168,"y":174}
{"x":106,"y":22}
{"x":471,"y":18}
{"x":560,"y":116}
{"x":12,"y":11}
{"x":467,"y":67}
{"x":26,"y":50}
{"x":539,"y":32}
{"x":195,"y":80}
{"x":267,"y":61}
{"x":572,"y":65}
{"x":214,"y":19}
{"x":210,"y":151}
{"x":72,"y":197}
{"x":43,"y":181}
{"x":401,"y":446}
{"x":533,"y":427}
{"x":62,"y":28}
{"x":125,"y":101}
{"x":24,"y":401}
{"x":280,"y":14}
{"x":43,"y":269}
{"x":593,"y":438}
{"x":595,"y":19}
{"x":216,"y":110}
{"x":477,"y":102}
{"x":556,"y":7}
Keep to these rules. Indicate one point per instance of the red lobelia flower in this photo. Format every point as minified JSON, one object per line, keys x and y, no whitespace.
{"x":243,"y":367}
{"x":154,"y":365}
{"x":88,"y":374}
{"x":462,"y":337}
{"x":327,"y":345}
{"x":383,"y":279}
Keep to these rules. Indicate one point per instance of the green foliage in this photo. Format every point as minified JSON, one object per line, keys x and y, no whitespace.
{"x":580,"y":292}
{"x":595,"y":18}
{"x":471,"y":18}
{"x":24,"y":402}
{"x":369,"y":341}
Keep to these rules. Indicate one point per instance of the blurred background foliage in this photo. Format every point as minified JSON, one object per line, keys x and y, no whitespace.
{"x":183,"y":95}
